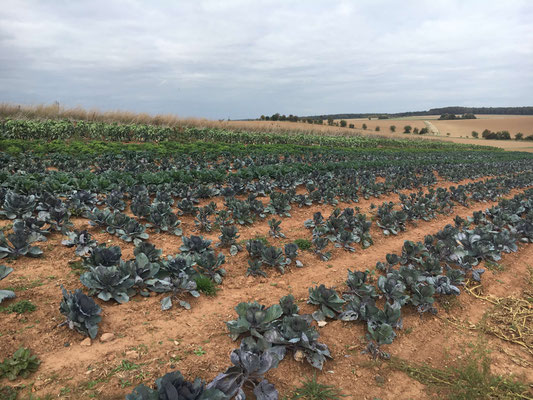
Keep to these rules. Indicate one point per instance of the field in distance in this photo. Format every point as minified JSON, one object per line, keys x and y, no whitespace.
{"x":459,"y":131}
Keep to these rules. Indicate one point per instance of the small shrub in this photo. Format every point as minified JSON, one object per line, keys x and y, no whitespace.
{"x":20,"y":307}
{"x":312,"y":390}
{"x":205,"y":285}
{"x":303,"y":244}
{"x":262,"y":239}
{"x":475,"y":134}
{"x":22,"y":363}
{"x":377,"y":128}
{"x":8,"y":393}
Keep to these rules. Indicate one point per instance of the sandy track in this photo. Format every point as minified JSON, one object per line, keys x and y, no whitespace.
{"x":432,"y":128}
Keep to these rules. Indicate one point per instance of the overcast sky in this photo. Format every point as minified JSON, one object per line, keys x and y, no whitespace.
{"x":238,"y":59}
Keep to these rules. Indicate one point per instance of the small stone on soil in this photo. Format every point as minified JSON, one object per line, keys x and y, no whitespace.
{"x":86,"y":342}
{"x":299,"y":355}
{"x":107,"y":337}
{"x":132,"y":354}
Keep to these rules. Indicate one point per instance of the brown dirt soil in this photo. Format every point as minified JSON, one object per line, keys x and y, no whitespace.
{"x":149,"y":342}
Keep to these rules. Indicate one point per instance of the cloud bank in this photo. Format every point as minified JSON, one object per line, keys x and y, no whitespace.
{"x":240,"y":59}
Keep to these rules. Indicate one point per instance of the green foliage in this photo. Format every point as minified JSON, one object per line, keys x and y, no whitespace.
{"x":8,"y":393}
{"x":500,"y":135}
{"x":448,"y":116}
{"x":112,"y":282}
{"x":254,"y":319}
{"x":303,"y":244}
{"x":20,"y":307}
{"x":329,"y":301}
{"x":206,"y":285}
{"x":311,"y":389}
{"x":23,"y":363}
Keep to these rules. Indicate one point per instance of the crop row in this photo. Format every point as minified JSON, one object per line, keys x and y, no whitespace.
{"x":437,"y":266}
{"x":54,"y":129}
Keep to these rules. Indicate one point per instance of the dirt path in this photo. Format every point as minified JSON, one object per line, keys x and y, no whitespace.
{"x":432,"y":128}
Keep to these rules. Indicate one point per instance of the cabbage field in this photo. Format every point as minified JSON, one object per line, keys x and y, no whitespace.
{"x":148,"y":262}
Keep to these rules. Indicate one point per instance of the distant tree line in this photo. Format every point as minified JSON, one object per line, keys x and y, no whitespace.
{"x":482,"y":110}
{"x":434,"y":111}
{"x":501,"y":135}
{"x":280,"y":117}
{"x":453,"y":116}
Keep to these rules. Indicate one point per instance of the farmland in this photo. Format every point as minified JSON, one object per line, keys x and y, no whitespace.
{"x":457,"y":131}
{"x":372,"y":262}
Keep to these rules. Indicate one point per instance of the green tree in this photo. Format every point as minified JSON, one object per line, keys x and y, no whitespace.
{"x":475,"y":134}
{"x":519,"y":136}
{"x":351,"y":126}
{"x":415,"y":131}
{"x":330,"y":121}
{"x":378,"y":128}
{"x":407,"y":129}
{"x":392,"y":128}
{"x":343,"y":123}
{"x":423,"y":131}
{"x":364,"y":126}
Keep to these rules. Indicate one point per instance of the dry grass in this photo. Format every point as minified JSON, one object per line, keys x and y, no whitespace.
{"x":55,"y":111}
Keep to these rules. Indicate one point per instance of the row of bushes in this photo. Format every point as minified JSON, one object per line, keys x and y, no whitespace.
{"x":501,"y":135}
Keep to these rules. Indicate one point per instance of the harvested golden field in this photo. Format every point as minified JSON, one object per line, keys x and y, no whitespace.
{"x":456,"y":128}
{"x":511,"y":123}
